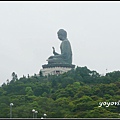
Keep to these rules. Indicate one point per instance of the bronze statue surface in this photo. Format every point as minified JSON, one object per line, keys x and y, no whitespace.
{"x":66,"y":52}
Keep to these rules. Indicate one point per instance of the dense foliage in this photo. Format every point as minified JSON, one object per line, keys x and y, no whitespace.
{"x":74,"y":94}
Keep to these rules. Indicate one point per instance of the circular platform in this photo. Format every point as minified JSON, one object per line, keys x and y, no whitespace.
{"x":55,"y":69}
{"x":58,"y":65}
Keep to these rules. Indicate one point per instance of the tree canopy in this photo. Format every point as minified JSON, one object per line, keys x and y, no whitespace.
{"x":74,"y":94}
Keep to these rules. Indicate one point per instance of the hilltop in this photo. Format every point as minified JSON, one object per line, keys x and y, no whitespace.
{"x":79,"y":93}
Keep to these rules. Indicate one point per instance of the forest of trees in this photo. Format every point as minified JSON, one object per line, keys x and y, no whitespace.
{"x":74,"y":94}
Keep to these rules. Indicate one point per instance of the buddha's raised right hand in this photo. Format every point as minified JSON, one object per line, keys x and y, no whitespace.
{"x":53,"y":50}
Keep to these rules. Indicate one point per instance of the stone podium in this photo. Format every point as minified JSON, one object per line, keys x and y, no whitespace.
{"x":59,"y":63}
{"x":55,"y":69}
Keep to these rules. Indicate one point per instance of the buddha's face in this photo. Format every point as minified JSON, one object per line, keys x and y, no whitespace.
{"x":61,"y":36}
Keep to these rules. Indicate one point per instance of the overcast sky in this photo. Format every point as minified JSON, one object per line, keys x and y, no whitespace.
{"x":28,"y":30}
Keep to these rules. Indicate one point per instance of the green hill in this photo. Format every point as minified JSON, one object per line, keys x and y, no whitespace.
{"x":75,"y":94}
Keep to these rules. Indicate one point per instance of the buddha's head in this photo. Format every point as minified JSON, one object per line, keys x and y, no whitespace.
{"x":62,"y":34}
